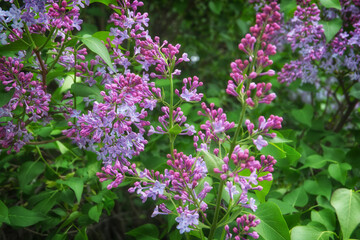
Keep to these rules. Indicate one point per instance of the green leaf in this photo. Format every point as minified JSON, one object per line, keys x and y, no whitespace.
{"x":325,"y":217}
{"x":315,"y":161}
{"x":331,"y":4}
{"x":104,"y":35}
{"x":285,"y":207}
{"x":216,"y":6}
{"x":272,"y":224}
{"x":29,"y":171}
{"x":59,"y":236}
{"x":309,"y":233}
{"x":288,"y":7}
{"x":338,"y":171}
{"x":331,"y":28}
{"x":81,"y":235}
{"x":46,"y":204}
{"x":278,"y":139}
{"x":97,"y":47}
{"x":5,"y":96}
{"x":72,"y":217}
{"x":95,"y":212}
{"x":211,"y":162}
{"x":44,"y":131}
{"x":266,"y":185}
{"x":324,"y":202}
{"x":145,"y":232}
{"x":291,"y":154}
{"x":62,"y":148}
{"x":320,"y":186}
{"x":242,"y":25}
{"x":275,"y":150}
{"x":175,"y":130}
{"x":4,"y":212}
{"x":304,"y":115}
{"x":297,"y":197}
{"x":82,"y":90}
{"x":355,"y":91}
{"x":347,"y":206}
{"x":292,"y":220}
{"x":106,"y":2}
{"x":76,"y":184}
{"x":22,"y":217}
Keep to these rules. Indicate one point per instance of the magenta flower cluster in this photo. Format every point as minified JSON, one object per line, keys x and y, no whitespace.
{"x":29,"y":103}
{"x":112,"y":123}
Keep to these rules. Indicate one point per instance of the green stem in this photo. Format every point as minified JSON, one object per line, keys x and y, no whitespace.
{"x":47,"y":141}
{"x":58,"y":56}
{"x":47,"y":40}
{"x":238,"y":129}
{"x":29,"y":35}
{"x":75,"y":60}
{"x":217,"y":210}
{"x":171,"y":109}
{"x":222,"y":182}
{"x":46,"y":163}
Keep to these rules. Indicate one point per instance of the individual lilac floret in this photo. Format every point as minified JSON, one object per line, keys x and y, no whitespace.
{"x":260,"y":142}
{"x":190,"y":94}
{"x":231,"y":189}
{"x":251,"y":205}
{"x":178,"y":118}
{"x":186,"y":219}
{"x":242,"y":230}
{"x":163,"y":210}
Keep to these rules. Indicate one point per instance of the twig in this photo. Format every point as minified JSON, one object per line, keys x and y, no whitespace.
{"x":344,"y":117}
{"x":47,"y":141}
{"x":37,"y":233}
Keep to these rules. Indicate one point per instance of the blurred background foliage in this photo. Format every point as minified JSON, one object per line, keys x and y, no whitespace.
{"x":209,"y":31}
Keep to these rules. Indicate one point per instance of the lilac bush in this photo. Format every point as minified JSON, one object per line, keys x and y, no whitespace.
{"x":120,"y":86}
{"x":183,"y":187}
{"x":327,"y":43}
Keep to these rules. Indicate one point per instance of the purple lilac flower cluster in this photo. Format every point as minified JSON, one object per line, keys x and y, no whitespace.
{"x":244,"y":223}
{"x":306,"y":35}
{"x":39,"y":16}
{"x":29,"y":103}
{"x":112,"y":123}
{"x":121,"y":109}
{"x":235,"y":175}
{"x":180,"y":182}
